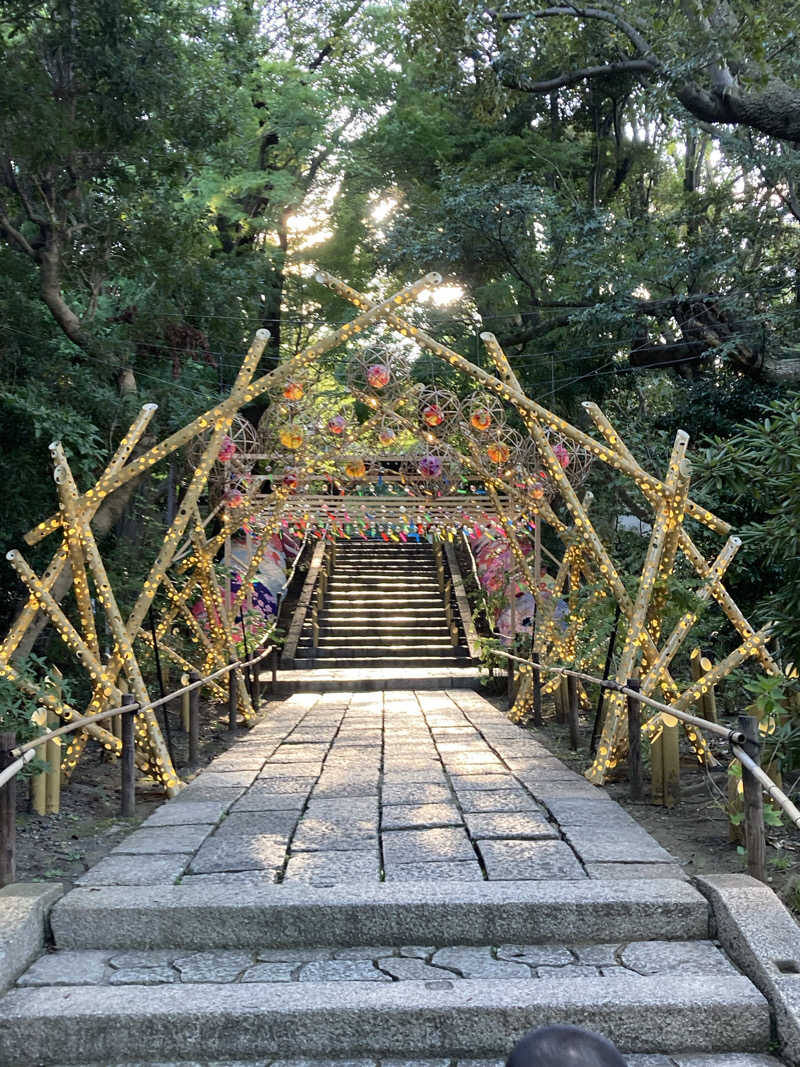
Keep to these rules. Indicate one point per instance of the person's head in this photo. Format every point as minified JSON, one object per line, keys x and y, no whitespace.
{"x":564,"y":1046}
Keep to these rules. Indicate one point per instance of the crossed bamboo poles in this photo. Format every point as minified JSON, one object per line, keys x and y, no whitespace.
{"x":585,"y":555}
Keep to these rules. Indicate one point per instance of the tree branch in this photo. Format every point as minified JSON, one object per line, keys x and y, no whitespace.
{"x":529,"y":85}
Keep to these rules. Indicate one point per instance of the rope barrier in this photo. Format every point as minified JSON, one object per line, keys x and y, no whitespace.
{"x":26,"y":752}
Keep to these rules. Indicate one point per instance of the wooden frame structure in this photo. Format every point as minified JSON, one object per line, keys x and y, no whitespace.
{"x":184,"y":565}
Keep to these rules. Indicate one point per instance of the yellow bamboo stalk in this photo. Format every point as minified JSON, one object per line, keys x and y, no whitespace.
{"x":689,"y":549}
{"x":56,"y":566}
{"x":519,"y":400}
{"x":306,"y":358}
{"x":611,"y":740}
{"x":149,"y":733}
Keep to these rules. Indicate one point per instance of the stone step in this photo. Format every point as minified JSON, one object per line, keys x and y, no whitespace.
{"x":394,"y":585}
{"x":412,"y":596}
{"x":671,"y":1059}
{"x":381,"y":659}
{"x":448,"y":1018}
{"x":201,"y":917}
{"x":386,"y":626}
{"x":357,"y":613}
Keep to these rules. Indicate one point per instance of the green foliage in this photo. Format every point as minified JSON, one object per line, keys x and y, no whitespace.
{"x":758,"y":468}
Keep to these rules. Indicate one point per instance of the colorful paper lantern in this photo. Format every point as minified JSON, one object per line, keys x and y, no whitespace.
{"x":387,"y":436}
{"x":234,"y":498}
{"x":498,"y":452}
{"x":433,"y":415}
{"x":337,"y":424}
{"x":378,"y":375}
{"x":430,"y":467}
{"x":290,"y":437}
{"x":355,"y":468}
{"x":293,"y":391}
{"x":290,"y":481}
{"x":481,"y":419}
{"x":228,"y":450}
{"x":562,"y":455}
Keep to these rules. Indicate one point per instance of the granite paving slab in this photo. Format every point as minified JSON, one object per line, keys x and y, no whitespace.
{"x":189,"y":813}
{"x":502,"y":824}
{"x":164,"y":839}
{"x":135,"y":870}
{"x":239,"y":853}
{"x":420,"y":816}
{"x":250,"y":823}
{"x":415,"y":846}
{"x":526,"y":860}
{"x":333,"y":868}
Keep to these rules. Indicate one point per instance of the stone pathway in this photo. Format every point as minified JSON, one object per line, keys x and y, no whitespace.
{"x":405,"y":786}
{"x":403,"y":878}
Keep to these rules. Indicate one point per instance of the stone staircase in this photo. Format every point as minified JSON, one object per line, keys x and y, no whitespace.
{"x":398,"y":975}
{"x":395,"y":880}
{"x":383,"y":608}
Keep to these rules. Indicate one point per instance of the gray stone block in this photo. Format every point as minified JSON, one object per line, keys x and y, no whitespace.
{"x":261,"y":800}
{"x":264,"y":876}
{"x":240,"y":853}
{"x":207,"y":916}
{"x":271,"y":972}
{"x":410,"y":969}
{"x":67,"y":968}
{"x":522,"y":860}
{"x":198,"y":792}
{"x":215,"y":966}
{"x":225,"y":779}
{"x":295,"y":752}
{"x":627,"y":871}
{"x":188,"y":813}
{"x":24,"y":910}
{"x":442,"y":871}
{"x":248,"y":824}
{"x":332,"y":868}
{"x":490,"y":782}
{"x":509,"y":825}
{"x":421,"y":846}
{"x":342,"y":971}
{"x":135,"y":870}
{"x":272,"y":784}
{"x":536,"y":955}
{"x":415,"y":793}
{"x":478,"y":800}
{"x":163,"y":839}
{"x":618,"y":845}
{"x":420,"y":816}
{"x":762,"y":938}
{"x":675,"y":957}
{"x":271,"y":769}
{"x":470,"y":962}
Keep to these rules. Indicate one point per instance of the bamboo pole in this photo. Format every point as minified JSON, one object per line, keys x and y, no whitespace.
{"x":687,"y":546}
{"x":526,"y":406}
{"x":370,"y":313}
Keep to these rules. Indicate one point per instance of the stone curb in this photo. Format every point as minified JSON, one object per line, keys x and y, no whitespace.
{"x":762,"y":938}
{"x":465,"y":1019}
{"x":24,"y":908}
{"x":210,"y":916}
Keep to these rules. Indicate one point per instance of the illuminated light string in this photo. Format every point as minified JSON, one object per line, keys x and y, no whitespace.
{"x":590,"y":560}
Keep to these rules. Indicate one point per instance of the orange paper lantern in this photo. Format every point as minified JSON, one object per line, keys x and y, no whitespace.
{"x":433,"y":415}
{"x":290,"y":437}
{"x":498,"y":452}
{"x":293,"y":391}
{"x":355,"y":468}
{"x":481,"y":419}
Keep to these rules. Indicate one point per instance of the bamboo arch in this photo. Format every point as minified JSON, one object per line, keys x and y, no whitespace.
{"x":185,"y":561}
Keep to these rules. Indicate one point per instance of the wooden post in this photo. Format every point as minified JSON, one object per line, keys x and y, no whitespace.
{"x":39,"y":792}
{"x":635,"y":741}
{"x":128,"y":761}
{"x":8,"y":812}
{"x":232,"y":699}
{"x":537,"y":691}
{"x":561,"y":696}
{"x":194,"y":719}
{"x":274,"y":664}
{"x":510,"y":681}
{"x":665,"y":763}
{"x":52,"y":753}
{"x":256,"y":688}
{"x":185,"y":704}
{"x":754,"y":834}
{"x":572,"y":712}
